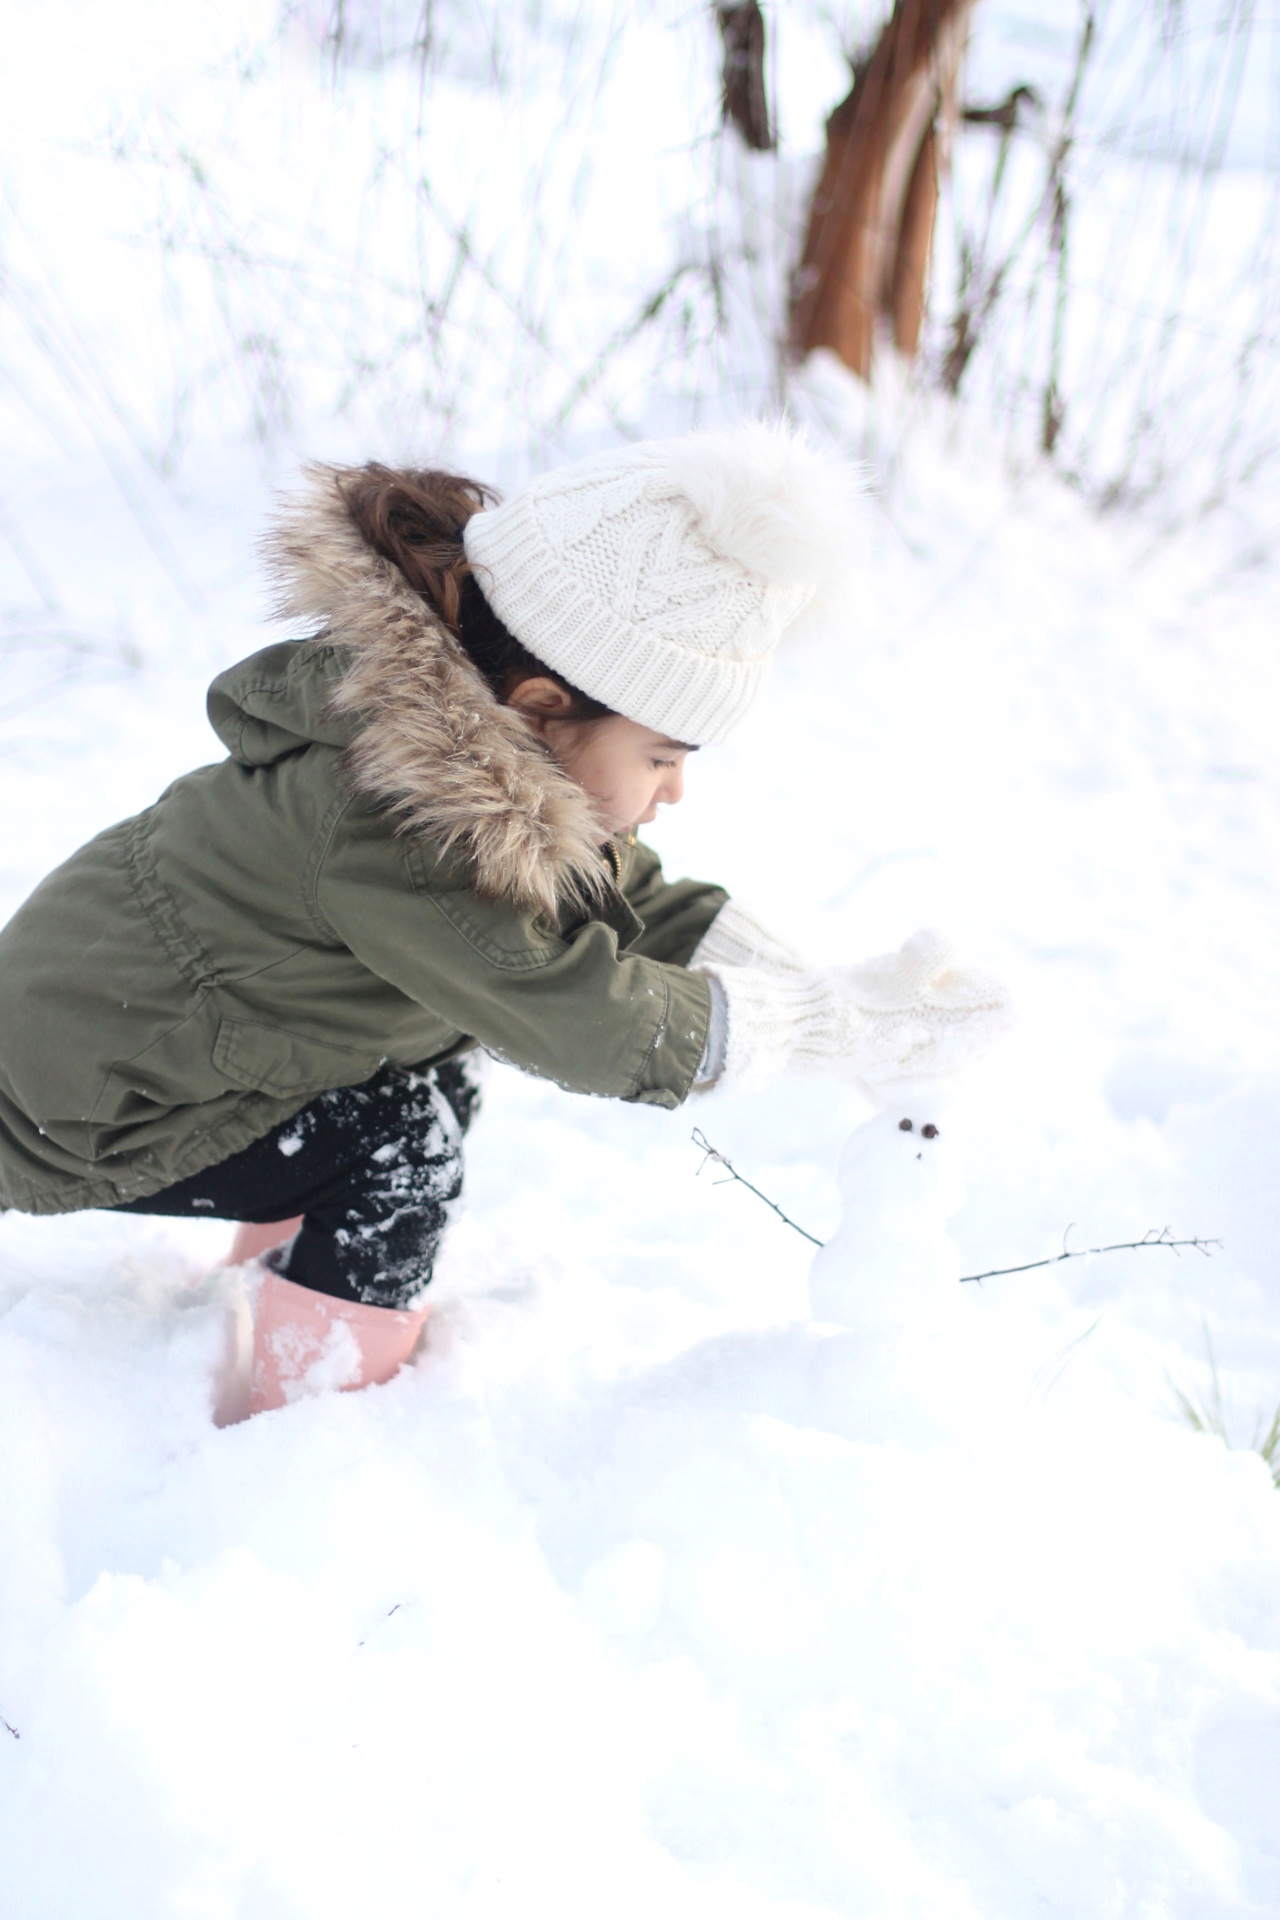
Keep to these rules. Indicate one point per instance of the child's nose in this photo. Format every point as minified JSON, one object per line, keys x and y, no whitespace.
{"x":672,"y":788}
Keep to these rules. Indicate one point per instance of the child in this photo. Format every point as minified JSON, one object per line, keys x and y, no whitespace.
{"x":256,"y":1001}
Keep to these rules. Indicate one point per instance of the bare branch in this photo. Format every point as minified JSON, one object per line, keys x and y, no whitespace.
{"x":711,"y":1153}
{"x":1151,"y":1238}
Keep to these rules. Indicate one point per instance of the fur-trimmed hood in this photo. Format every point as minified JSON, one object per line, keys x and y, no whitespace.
{"x":431,"y":741}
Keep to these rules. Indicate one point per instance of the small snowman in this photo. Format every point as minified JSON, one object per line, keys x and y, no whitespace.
{"x":891,"y":1265}
{"x":896,"y":1325}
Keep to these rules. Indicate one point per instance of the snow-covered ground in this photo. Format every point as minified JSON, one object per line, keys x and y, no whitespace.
{"x":644,"y":1589}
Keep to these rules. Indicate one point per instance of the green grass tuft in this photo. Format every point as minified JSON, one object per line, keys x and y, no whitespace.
{"x":1208,"y":1414}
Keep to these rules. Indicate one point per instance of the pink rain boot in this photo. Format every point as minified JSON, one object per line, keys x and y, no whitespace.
{"x":250,"y":1241}
{"x":233,"y":1378}
{"x":305,"y":1342}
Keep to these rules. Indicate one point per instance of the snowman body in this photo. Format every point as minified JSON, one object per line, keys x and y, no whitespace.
{"x":891,"y":1265}
{"x":908,"y":1351}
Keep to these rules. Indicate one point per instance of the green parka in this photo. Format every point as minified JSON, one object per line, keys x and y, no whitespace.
{"x":388,"y":867}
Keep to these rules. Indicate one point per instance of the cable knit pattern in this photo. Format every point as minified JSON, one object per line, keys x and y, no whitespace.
{"x":659,"y":577}
{"x":912,"y":1013}
{"x":735,"y":939}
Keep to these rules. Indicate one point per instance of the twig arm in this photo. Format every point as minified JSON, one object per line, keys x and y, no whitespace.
{"x":1149,"y":1239}
{"x":1163,"y":1237}
{"x":709,"y":1152}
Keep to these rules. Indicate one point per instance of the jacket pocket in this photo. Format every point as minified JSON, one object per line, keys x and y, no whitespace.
{"x":266,"y":1059}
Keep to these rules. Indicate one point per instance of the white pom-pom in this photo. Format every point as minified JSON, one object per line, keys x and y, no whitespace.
{"x":763,"y":497}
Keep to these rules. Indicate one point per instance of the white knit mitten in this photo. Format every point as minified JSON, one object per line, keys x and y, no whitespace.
{"x":908,"y":1014}
{"x":734,"y":939}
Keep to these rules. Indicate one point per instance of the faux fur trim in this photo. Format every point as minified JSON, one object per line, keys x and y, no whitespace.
{"x":451,"y":763}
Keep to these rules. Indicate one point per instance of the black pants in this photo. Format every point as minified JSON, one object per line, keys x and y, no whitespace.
{"x":371,"y":1169}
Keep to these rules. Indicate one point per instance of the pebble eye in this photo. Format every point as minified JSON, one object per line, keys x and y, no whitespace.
{"x":905,"y":1126}
{"x":930,"y":1132}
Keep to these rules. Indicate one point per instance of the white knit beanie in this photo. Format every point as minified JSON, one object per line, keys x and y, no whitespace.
{"x":659,"y":578}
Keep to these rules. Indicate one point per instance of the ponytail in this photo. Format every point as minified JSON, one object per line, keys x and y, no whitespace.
{"x":414,"y":517}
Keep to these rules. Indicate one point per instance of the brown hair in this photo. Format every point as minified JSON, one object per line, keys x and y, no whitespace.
{"x":414,"y":517}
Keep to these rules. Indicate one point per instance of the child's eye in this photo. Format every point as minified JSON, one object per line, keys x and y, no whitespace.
{"x":664,"y":763}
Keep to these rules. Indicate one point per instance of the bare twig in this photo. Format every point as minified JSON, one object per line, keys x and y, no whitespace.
{"x":1052,"y":404}
{"x":1150,"y":1238}
{"x":9,"y":1727}
{"x":386,"y":1616}
{"x":712,"y":1153}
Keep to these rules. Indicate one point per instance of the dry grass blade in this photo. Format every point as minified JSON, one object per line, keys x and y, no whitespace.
{"x":1268,"y":1445}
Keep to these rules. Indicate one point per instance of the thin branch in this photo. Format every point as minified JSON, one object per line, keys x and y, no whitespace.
{"x":1150,"y":1238}
{"x":386,"y":1616}
{"x":711,"y":1153}
{"x":9,"y":1727}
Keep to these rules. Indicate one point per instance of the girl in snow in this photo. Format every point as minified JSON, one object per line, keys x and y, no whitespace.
{"x":257,"y":1000}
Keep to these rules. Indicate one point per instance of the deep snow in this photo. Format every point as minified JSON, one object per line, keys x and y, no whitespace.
{"x":644,"y":1587}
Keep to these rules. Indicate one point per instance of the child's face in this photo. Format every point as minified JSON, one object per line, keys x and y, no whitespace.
{"x":628,"y":770}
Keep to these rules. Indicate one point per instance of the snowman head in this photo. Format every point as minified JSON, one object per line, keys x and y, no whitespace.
{"x":902,"y":1164}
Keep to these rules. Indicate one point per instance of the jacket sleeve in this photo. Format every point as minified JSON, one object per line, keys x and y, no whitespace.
{"x":572,"y":1009}
{"x":676,"y":913}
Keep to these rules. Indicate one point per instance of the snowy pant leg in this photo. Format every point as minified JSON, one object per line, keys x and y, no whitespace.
{"x":373,"y":1235}
{"x":371,"y":1169}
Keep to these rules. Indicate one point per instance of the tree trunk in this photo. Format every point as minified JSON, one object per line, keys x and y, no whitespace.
{"x":746,"y":102}
{"x":866,"y":252}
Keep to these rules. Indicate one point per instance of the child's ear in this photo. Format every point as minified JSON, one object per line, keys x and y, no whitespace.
{"x":540,"y":699}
